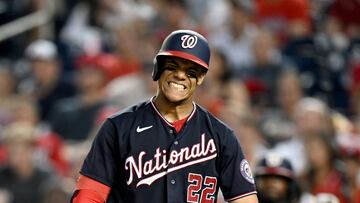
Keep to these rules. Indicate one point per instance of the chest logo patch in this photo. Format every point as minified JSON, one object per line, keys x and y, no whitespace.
{"x":246,"y":171}
{"x":139,"y":130}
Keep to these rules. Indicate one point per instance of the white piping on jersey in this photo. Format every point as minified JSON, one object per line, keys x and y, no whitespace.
{"x":240,"y":196}
{"x":163,"y":118}
{"x":198,"y":153}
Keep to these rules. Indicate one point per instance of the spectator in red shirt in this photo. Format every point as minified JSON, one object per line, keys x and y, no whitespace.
{"x":287,"y":18}
{"x":323,"y":175}
{"x":346,"y":14}
{"x":349,"y":147}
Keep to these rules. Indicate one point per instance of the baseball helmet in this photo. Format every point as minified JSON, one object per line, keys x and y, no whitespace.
{"x":272,"y":164}
{"x":186,"y":44}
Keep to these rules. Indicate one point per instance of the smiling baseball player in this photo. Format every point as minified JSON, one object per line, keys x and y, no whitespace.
{"x":167,"y":149}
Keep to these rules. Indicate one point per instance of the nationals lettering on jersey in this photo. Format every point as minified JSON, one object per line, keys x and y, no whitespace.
{"x":143,"y":159}
{"x":178,"y":159}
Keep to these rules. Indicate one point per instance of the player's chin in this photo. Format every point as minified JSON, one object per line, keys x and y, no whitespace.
{"x":177,"y":99}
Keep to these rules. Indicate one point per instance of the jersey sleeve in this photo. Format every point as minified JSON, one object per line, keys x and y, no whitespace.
{"x":236,"y":180}
{"x":100,"y":162}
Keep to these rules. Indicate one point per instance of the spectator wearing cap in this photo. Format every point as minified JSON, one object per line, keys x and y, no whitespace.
{"x":46,"y":85}
{"x":20,"y":173}
{"x":275,"y":180}
{"x":91,"y":77}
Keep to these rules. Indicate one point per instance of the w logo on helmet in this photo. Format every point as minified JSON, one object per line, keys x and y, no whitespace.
{"x":188,"y":41}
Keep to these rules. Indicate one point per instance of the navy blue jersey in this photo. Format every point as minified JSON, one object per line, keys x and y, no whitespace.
{"x":138,"y":153}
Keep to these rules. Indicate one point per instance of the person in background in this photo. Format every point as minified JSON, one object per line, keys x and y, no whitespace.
{"x":236,"y":38}
{"x":7,"y":91}
{"x":46,"y":84}
{"x":349,"y":150}
{"x":20,"y":173}
{"x":276,"y":180}
{"x":323,"y":174}
{"x":286,"y":18}
{"x":91,"y":78}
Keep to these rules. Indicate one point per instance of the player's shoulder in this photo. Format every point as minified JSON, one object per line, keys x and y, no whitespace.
{"x":131,"y":111}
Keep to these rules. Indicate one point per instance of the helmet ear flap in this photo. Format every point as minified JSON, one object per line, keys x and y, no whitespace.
{"x":158,"y":67}
{"x":155,"y":73}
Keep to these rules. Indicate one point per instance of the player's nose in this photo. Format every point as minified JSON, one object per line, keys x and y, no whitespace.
{"x":180,"y":74}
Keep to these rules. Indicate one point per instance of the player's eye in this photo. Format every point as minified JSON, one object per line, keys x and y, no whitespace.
{"x":193,"y":73}
{"x":170,"y":67}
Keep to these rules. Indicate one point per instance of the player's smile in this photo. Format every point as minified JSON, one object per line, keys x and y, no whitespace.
{"x":179,"y":79}
{"x":177,"y":86}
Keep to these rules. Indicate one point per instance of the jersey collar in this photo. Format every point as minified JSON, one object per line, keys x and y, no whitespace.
{"x":164,"y":119}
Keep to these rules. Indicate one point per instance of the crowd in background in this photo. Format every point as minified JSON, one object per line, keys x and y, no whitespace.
{"x":284,"y":74}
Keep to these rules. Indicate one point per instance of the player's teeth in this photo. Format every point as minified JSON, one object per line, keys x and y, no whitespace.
{"x":178,"y":86}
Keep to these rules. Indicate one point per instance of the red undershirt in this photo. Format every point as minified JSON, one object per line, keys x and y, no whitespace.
{"x":179,"y":124}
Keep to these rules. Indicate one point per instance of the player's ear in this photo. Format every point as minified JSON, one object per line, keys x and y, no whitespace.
{"x":200,"y":79}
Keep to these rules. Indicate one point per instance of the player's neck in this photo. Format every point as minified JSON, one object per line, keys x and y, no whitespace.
{"x":173,"y":111}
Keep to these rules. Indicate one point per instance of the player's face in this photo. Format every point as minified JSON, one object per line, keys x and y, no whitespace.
{"x":272,"y":188}
{"x":179,"y":80}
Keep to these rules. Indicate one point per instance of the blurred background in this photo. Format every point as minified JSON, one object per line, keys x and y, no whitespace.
{"x":284,"y":74}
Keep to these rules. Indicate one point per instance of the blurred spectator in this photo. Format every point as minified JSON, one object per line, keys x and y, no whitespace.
{"x":345,"y":14}
{"x":323,"y":175}
{"x":7,"y":91}
{"x":46,"y":85}
{"x":130,"y":88}
{"x":7,"y":80}
{"x":174,"y":14}
{"x":349,"y":148}
{"x":236,"y":39}
{"x":286,"y":18}
{"x":5,"y":196}
{"x":216,"y":15}
{"x":319,"y":198}
{"x":237,"y":104}
{"x":275,"y":180}
{"x":211,"y":93}
{"x":355,"y":91}
{"x":91,"y":79}
{"x":48,"y":145}
{"x":127,"y":50}
{"x":20,"y":173}
{"x":288,"y":92}
{"x":313,"y":116}
{"x":55,"y":191}
{"x":321,"y":61}
{"x":261,"y":77}
{"x":113,"y":14}
{"x":277,"y":123}
{"x":236,"y":111}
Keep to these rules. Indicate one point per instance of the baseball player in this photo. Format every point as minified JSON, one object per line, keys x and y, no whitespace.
{"x":275,"y":180}
{"x":167,"y":149}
